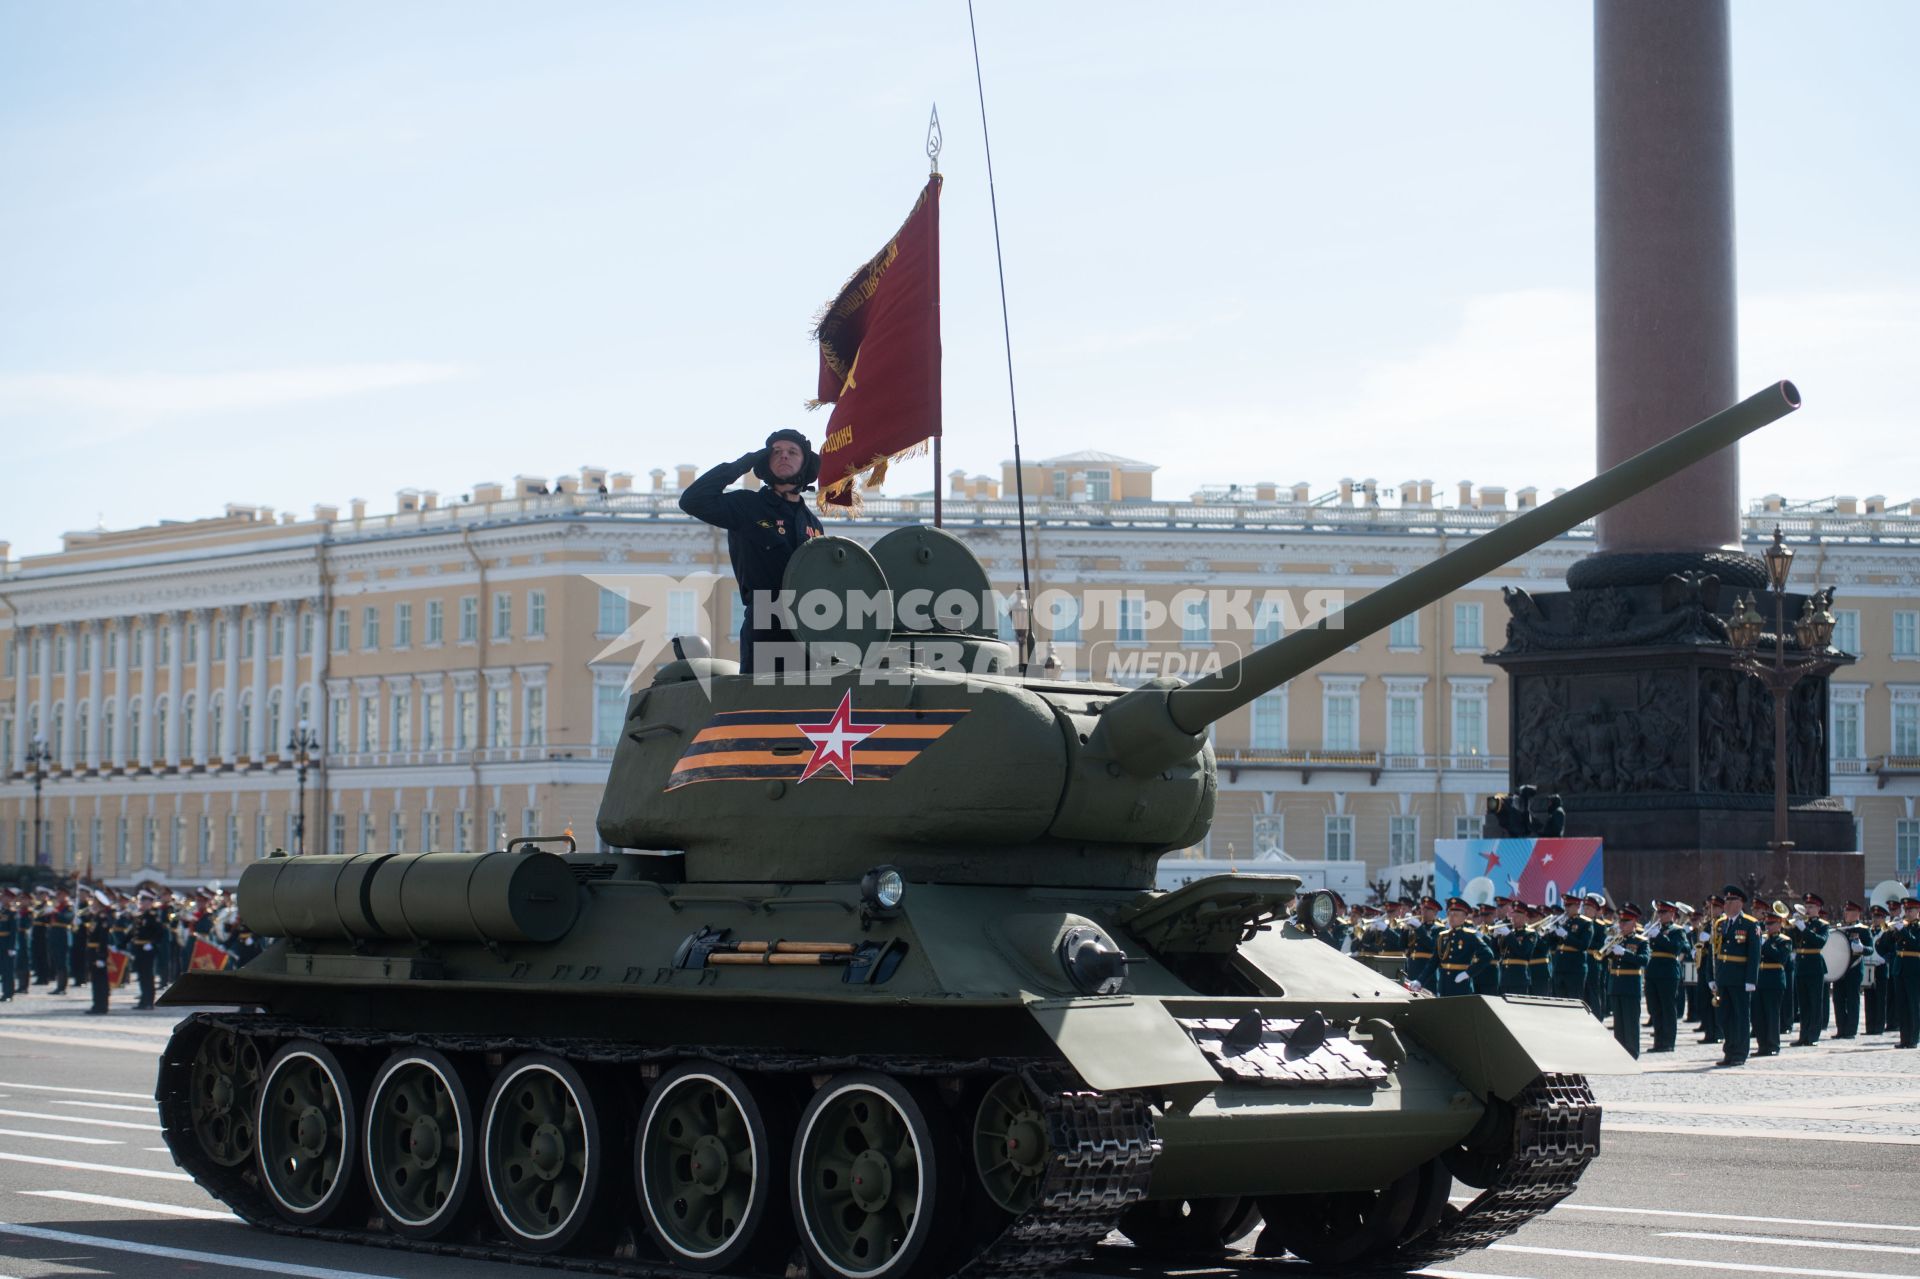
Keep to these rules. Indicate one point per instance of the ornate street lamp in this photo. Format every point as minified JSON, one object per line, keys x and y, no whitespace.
{"x":304,"y":747}
{"x":1812,"y":632}
{"x":38,"y":757}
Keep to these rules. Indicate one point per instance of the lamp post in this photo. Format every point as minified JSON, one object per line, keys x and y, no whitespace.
{"x":38,"y":757}
{"x":1813,"y":631}
{"x":303,"y":746}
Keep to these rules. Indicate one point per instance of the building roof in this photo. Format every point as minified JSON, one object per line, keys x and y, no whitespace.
{"x":1092,"y":457}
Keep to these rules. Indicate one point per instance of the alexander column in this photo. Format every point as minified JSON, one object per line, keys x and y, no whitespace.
{"x":1625,"y":700}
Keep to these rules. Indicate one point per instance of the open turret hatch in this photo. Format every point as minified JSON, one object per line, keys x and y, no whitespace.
{"x":1210,"y":916}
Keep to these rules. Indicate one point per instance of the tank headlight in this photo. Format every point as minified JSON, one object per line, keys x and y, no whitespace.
{"x":1316,"y":911}
{"x":883,"y":887}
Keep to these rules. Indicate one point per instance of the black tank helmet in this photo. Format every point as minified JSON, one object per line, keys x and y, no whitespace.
{"x":809,"y":460}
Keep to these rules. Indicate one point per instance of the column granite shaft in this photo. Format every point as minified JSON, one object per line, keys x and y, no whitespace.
{"x":202,"y":685}
{"x":144,"y":631}
{"x":230,"y":697}
{"x":176,"y":690}
{"x":257,"y":745}
{"x":1664,"y":262}
{"x":96,"y":693}
{"x":45,"y":695}
{"x":122,"y":663}
{"x":70,"y":701}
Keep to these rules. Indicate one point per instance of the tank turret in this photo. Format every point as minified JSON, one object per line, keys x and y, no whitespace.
{"x":968,"y":770}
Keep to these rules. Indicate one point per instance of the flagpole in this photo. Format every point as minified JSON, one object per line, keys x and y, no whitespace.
{"x":934,"y":141}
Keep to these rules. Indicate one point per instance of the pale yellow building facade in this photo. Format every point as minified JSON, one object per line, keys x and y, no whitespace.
{"x":452,"y":659}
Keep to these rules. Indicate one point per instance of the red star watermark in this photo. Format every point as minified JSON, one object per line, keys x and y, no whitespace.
{"x":833,"y":741}
{"x":1493,"y":858}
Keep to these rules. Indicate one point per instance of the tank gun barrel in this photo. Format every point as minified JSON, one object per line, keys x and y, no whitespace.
{"x":1152,"y":728}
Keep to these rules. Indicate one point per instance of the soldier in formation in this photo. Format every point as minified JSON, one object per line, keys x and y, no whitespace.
{"x":1736,"y":967}
{"x":1773,"y":983}
{"x":1669,"y":944}
{"x":1461,"y":953}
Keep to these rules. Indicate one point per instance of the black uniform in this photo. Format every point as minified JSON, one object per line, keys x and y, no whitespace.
{"x":763,"y":530}
{"x":1846,"y":991}
{"x":59,"y":947}
{"x":149,"y":937}
{"x":1666,"y":949}
{"x":1810,"y":978}
{"x":1906,"y":989}
{"x":1626,"y":960}
{"x":1570,"y":940}
{"x":1736,"y":965}
{"x":9,"y":940}
{"x":1776,"y":967}
{"x":1460,"y":956}
{"x":94,"y":944}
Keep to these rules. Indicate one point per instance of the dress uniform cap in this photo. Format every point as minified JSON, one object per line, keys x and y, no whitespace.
{"x":1878,"y":910}
{"x":1852,"y":906}
{"x":1458,"y":903}
{"x":1681,"y":908}
{"x":1733,"y":892}
{"x":1814,"y":899}
{"x":1628,"y":912}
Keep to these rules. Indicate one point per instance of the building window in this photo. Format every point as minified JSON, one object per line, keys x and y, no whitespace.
{"x":337,"y":833}
{"x":1906,"y":634}
{"x":342,"y":630}
{"x":1340,"y":726}
{"x":1846,"y":630}
{"x":530,"y":821}
{"x":429,"y":832}
{"x":1003,"y":617}
{"x":1339,"y":837}
{"x":177,"y":843}
{"x":397,"y":832}
{"x":463,"y":831}
{"x":279,"y":640}
{"x":121,"y":840}
{"x":1404,"y":634}
{"x":1403,"y":840}
{"x":1906,"y":728}
{"x":1270,"y":835}
{"x":1196,"y":621}
{"x":306,"y":633}
{"x":1060,"y":484}
{"x":1466,"y":827}
{"x":402,"y":736}
{"x":496,"y":828}
{"x":609,"y":711}
{"x":369,"y":723}
{"x":1403,"y":723}
{"x":682,"y":613}
{"x":499,"y":717}
{"x":260,"y":834}
{"x":430,"y":727}
{"x":234,"y":850}
{"x":403,"y":626}
{"x":1469,"y":722}
{"x":1467,"y":636}
{"x":1270,"y":721}
{"x":1846,"y":735}
{"x":536,"y":614}
{"x":502,"y":616}
{"x":436,"y":622}
{"x":469,"y":619}
{"x":1906,"y":848}
{"x":248,"y":629}
{"x":370,"y":629}
{"x":1099,"y":486}
{"x":533,"y":731}
{"x":276,"y":721}
{"x":1063,"y":617}
{"x":337,"y":739}
{"x":246,"y":723}
{"x":1133,"y":627}
{"x":613,"y":613}
{"x":465,"y":707}
{"x":366,"y":832}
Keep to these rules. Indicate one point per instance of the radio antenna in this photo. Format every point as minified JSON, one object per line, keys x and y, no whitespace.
{"x":1023,"y":603}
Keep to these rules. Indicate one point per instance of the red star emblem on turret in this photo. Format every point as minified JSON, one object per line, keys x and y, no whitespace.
{"x":833,"y":741}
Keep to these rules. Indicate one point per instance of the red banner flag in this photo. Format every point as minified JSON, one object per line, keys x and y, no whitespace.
{"x":117,"y":967}
{"x":880,"y":357}
{"x":207,"y":957}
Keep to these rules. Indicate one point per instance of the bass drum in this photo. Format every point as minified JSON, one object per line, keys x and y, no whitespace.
{"x":1838,"y":952}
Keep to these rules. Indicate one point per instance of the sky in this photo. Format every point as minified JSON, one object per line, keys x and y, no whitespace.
{"x":299,"y":253}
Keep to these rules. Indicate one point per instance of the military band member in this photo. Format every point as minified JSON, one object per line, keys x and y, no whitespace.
{"x":1626,"y":960}
{"x":1883,"y":950}
{"x":1421,"y":945}
{"x":148,"y":940}
{"x":1906,"y":966}
{"x":1810,"y":970}
{"x":1573,"y":936}
{"x":1776,"y":968}
{"x":9,"y":942}
{"x":1736,"y":966}
{"x":1540,"y":963}
{"x":1710,"y":1023}
{"x":1513,"y":948}
{"x":1596,"y":987}
{"x":1461,"y":953}
{"x":23,"y":954}
{"x":1486,"y":981}
{"x":94,"y":943}
{"x":1846,"y":991}
{"x":60,"y":943}
{"x":1668,"y":945}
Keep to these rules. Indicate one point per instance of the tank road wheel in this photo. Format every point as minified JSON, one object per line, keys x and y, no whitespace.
{"x":1187,"y":1229}
{"x":709,"y":1169}
{"x":419,"y":1143}
{"x":1010,"y":1148}
{"x":867,"y":1171}
{"x":543,"y":1152}
{"x":1349,"y":1227}
{"x":309,"y":1133}
{"x":224,"y":1086}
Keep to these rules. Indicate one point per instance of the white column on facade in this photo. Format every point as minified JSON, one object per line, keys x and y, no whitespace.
{"x":230,"y":715}
{"x":24,"y":638}
{"x":289,"y":677}
{"x":70,"y":696}
{"x":96,"y":693}
{"x":144,"y":627}
{"x":317,"y":672}
{"x":176,"y":703}
{"x":257,"y":746}
{"x":202,"y":622}
{"x":122,"y":663}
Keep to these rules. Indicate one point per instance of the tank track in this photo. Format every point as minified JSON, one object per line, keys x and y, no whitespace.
{"x":1103,"y":1146}
{"x":1556,"y":1134}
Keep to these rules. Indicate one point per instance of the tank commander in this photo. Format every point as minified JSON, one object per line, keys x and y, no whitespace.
{"x":764,"y":526}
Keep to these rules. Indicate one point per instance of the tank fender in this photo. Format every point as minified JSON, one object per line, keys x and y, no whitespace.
{"x":1500,"y":1044}
{"x":1120,"y":1042}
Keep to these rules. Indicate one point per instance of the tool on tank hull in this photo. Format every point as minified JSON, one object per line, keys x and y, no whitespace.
{"x":911,"y":1009}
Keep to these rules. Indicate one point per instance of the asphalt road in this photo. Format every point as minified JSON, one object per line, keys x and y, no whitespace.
{"x":1804,"y":1165}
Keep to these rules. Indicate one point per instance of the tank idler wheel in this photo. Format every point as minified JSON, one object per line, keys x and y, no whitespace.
{"x":1010,"y":1146}
{"x":224,"y":1087}
{"x":869,"y":1167}
{"x":309,"y":1133}
{"x":1187,"y":1229}
{"x":542,"y":1152}
{"x":710,"y":1166}
{"x":1350,"y":1227}
{"x":419,"y":1144}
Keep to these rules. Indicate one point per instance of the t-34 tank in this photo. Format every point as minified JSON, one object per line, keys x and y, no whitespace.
{"x":933,"y":1022}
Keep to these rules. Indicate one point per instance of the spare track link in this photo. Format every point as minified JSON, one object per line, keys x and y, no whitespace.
{"x":1556,"y":1134}
{"x":1103,"y":1146}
